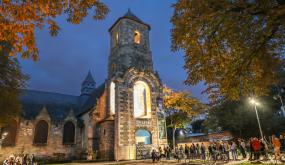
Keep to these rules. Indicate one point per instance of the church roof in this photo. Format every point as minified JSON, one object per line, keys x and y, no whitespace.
{"x":89,"y":77}
{"x":131,"y":16}
{"x":92,"y":100}
{"x":58,"y":105}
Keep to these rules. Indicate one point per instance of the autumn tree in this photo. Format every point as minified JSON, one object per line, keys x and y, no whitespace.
{"x":19,"y":20}
{"x":11,"y":80}
{"x":234,"y":46}
{"x":180,"y":107}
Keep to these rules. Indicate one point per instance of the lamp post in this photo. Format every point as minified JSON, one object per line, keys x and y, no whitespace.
{"x":3,"y":137}
{"x":255,"y":103}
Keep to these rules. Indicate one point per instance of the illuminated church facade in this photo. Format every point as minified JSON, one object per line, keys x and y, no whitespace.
{"x":121,"y":119}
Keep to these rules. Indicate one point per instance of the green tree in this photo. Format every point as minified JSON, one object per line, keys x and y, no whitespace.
{"x":198,"y":126}
{"x":180,"y":107}
{"x":240,"y":119}
{"x":11,"y":81}
{"x":234,"y":46}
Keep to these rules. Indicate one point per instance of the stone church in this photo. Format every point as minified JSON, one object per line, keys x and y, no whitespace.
{"x":121,"y":119}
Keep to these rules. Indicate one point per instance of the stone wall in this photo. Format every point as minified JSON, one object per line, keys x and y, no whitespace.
{"x":106,"y":134}
{"x":130,"y":62}
{"x":126,"y":53}
{"x":25,"y":136}
{"x":125,"y":123}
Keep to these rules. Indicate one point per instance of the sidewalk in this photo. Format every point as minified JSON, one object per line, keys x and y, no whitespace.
{"x":175,"y":162}
{"x":162,"y":162}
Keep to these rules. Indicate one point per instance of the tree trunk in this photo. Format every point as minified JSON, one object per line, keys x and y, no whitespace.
{"x":173,"y":137}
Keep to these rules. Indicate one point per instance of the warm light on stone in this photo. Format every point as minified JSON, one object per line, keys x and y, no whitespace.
{"x":142,"y":105}
{"x":112,"y":98}
{"x":137,"y":37}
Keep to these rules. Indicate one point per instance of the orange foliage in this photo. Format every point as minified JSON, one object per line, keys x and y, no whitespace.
{"x":19,"y":19}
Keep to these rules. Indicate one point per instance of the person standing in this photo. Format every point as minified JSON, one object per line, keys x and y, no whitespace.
{"x":250,"y":148}
{"x":210,"y":150}
{"x":256,"y":145}
{"x":203,"y":151}
{"x":242,"y":148}
{"x":25,"y":159}
{"x":186,"y":151}
{"x":197,"y":151}
{"x":227,"y":150}
{"x":233,"y":151}
{"x":192,"y":151}
{"x":276,"y":144}
{"x":165,"y":151}
{"x":32,"y":159}
{"x":153,"y":155}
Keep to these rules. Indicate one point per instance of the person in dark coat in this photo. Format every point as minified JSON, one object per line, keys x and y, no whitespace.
{"x":153,"y":155}
{"x":203,"y":151}
{"x":25,"y":159}
{"x":186,"y":151}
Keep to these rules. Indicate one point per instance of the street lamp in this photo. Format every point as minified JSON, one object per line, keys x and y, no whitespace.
{"x":3,"y":137}
{"x":255,"y":103}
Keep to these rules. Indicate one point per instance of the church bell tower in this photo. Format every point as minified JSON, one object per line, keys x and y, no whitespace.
{"x":129,"y":45}
{"x":133,"y":88}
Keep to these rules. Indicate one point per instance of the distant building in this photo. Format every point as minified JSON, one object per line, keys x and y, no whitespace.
{"x":205,"y":138}
{"x":119,"y":118}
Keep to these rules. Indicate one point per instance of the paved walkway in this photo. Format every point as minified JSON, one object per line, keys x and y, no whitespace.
{"x":162,"y":162}
{"x":174,"y":162}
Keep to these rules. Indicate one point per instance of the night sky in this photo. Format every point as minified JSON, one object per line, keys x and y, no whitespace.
{"x":65,"y":59}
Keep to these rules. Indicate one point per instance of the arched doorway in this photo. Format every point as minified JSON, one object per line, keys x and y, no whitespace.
{"x":143,"y":144}
{"x":143,"y":137}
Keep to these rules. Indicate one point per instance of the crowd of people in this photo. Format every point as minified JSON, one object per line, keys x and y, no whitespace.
{"x":253,"y":149}
{"x":20,"y":160}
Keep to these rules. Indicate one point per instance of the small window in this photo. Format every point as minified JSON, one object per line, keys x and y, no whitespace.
{"x":137,"y":37}
{"x":68,"y":133}
{"x":41,"y":133}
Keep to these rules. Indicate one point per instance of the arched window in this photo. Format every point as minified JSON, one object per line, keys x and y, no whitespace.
{"x":116,"y":38}
{"x":41,"y":133}
{"x":112,"y":98}
{"x":8,"y":133}
{"x":68,"y":133}
{"x":142,"y":104}
{"x":137,"y":37}
{"x":143,"y":136}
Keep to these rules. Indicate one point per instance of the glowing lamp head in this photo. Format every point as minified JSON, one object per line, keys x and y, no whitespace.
{"x":254,"y":102}
{"x":181,"y":133}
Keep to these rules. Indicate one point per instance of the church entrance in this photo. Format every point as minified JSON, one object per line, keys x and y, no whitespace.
{"x":143,"y":144}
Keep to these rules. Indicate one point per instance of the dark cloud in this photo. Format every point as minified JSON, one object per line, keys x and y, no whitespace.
{"x":66,"y":59}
